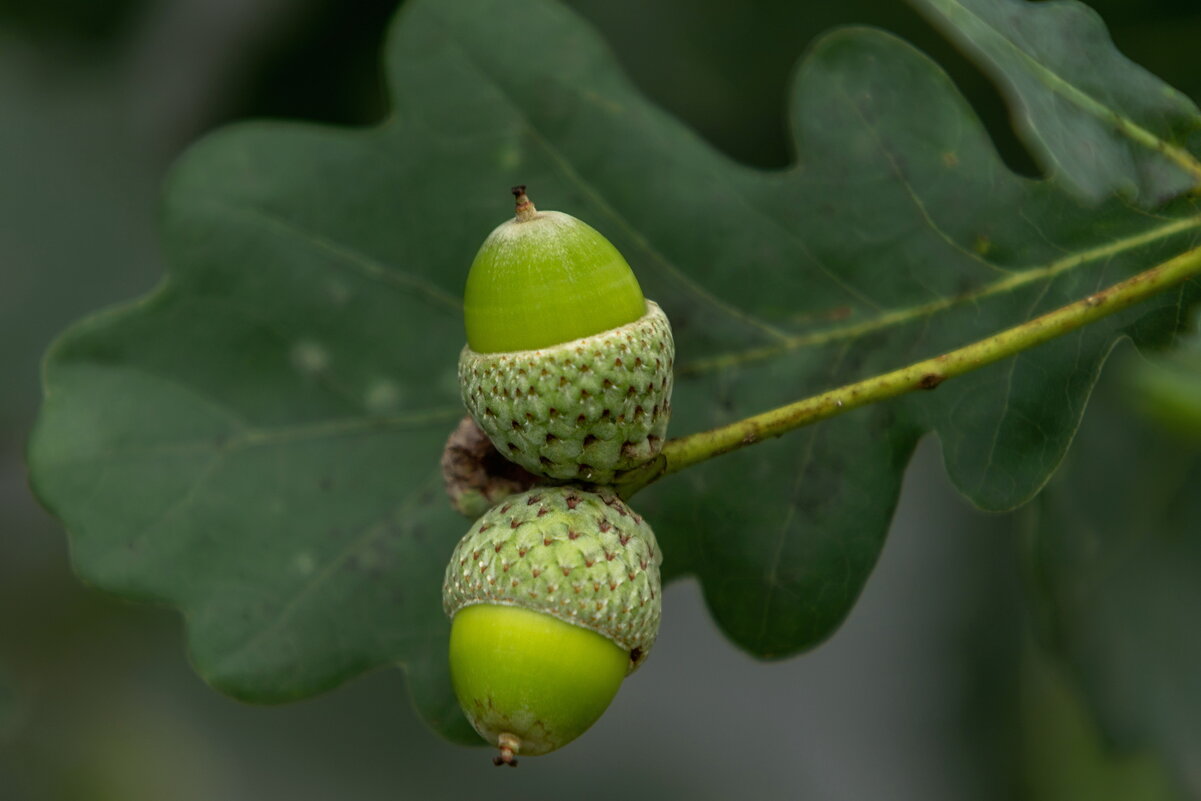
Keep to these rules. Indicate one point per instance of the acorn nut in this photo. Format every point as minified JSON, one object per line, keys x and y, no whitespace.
{"x":567,"y":367}
{"x":555,"y":597}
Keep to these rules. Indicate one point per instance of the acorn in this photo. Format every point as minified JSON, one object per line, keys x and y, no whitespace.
{"x":555,"y":597}
{"x":475,"y":475}
{"x":567,"y":366}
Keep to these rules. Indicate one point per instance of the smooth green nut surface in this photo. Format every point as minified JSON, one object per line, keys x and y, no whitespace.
{"x":555,"y":596}
{"x":531,"y":676}
{"x":543,"y":278}
{"x":581,"y":410}
{"x":567,"y":368}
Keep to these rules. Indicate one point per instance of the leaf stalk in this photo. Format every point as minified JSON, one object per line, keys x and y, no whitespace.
{"x":683,"y":452}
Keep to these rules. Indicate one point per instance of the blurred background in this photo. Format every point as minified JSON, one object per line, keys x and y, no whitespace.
{"x":934,"y":688}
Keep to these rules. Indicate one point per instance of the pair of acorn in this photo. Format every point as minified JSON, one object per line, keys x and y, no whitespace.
{"x":554,"y":592}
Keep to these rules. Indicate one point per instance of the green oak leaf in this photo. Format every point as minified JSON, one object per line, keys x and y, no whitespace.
{"x":1115,"y":561}
{"x":257,"y":442}
{"x":1167,"y":386}
{"x":1065,"y":755}
{"x":1099,"y":122}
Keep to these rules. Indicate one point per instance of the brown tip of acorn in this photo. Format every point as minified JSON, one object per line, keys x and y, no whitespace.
{"x":525,"y":207}
{"x":509,"y":745}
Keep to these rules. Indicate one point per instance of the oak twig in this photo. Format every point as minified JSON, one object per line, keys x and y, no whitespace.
{"x":692,"y":449}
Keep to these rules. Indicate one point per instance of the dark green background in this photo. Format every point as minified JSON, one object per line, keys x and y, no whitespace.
{"x":927,"y":692}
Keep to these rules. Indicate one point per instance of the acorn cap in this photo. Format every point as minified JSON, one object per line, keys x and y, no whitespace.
{"x":581,"y":410}
{"x":583,"y":557}
{"x":545,"y":277}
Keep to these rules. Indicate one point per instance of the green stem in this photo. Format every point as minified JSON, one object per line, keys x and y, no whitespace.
{"x":927,"y":374}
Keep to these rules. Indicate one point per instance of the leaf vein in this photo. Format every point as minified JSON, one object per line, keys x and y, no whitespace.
{"x":1080,"y":98}
{"x":1015,"y":280}
{"x":633,"y":232}
{"x":366,"y":266}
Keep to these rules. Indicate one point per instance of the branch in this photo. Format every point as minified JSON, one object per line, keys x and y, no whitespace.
{"x":686,"y":451}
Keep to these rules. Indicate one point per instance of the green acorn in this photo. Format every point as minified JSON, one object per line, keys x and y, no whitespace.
{"x":567,"y":367}
{"x":555,"y":597}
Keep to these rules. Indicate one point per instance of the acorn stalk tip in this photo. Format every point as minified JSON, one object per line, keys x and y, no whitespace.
{"x":525,"y":207}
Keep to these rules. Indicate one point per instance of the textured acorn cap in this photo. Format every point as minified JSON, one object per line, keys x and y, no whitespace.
{"x":583,"y":557}
{"x":581,"y":410}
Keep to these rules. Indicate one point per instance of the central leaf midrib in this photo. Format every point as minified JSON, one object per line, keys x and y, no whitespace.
{"x":896,"y":317}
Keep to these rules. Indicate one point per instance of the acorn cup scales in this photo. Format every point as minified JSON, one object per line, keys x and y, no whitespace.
{"x":567,"y":367}
{"x":555,"y":597}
